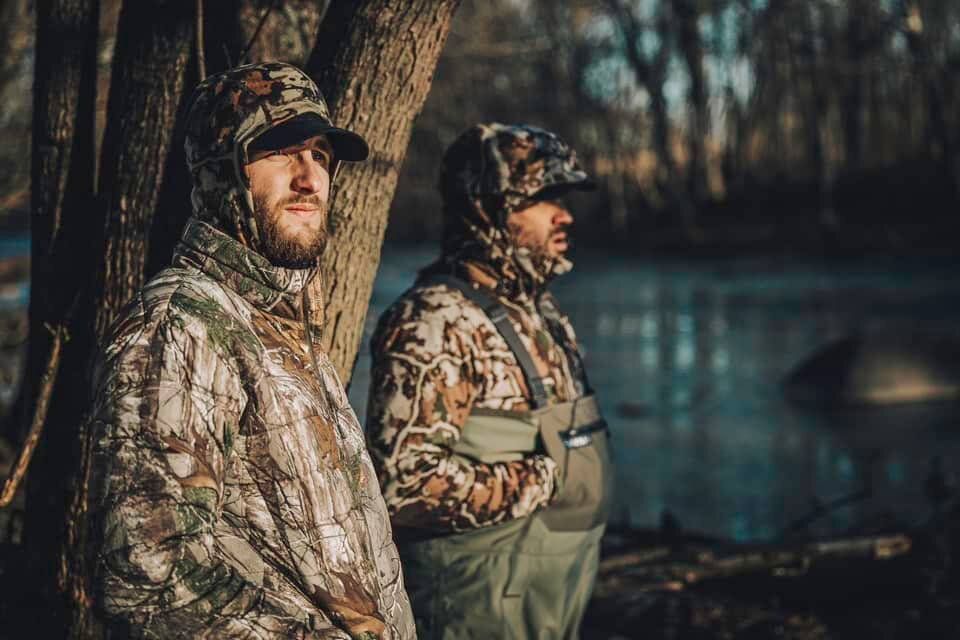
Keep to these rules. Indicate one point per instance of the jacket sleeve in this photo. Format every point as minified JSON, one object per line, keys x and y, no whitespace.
{"x":424,"y":382}
{"x":167,"y":408}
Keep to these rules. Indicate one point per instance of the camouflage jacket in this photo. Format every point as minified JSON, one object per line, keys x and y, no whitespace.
{"x":232,"y":492}
{"x":436,"y":357}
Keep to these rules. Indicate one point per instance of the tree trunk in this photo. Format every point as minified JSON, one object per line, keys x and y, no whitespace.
{"x":808,"y":65}
{"x":289,"y":32}
{"x":651,"y":73}
{"x":939,"y":137}
{"x":688,"y":35}
{"x":374,"y":62}
{"x":62,"y":189}
{"x":16,"y":37}
{"x":16,"y":43}
{"x":852,"y":88}
{"x":152,"y":55}
{"x":17,"y":31}
{"x":103,"y":271}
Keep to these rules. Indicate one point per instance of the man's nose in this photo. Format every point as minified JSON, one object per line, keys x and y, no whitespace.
{"x":310,"y":177}
{"x":562,"y":217}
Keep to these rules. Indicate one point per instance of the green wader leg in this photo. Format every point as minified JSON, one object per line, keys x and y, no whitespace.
{"x":522,"y":579}
{"x":513,"y":581}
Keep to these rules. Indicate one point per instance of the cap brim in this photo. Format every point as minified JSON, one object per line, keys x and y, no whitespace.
{"x":563,"y":188}
{"x":347,"y":145}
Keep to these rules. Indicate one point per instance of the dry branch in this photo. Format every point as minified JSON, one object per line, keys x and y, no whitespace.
{"x":39,"y":419}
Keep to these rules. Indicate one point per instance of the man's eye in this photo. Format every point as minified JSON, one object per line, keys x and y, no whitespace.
{"x":321,"y":156}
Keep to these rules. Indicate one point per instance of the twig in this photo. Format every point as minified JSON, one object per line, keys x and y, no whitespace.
{"x":777,"y":561}
{"x":256,"y":32}
{"x":39,"y":419}
{"x":823,"y":509}
{"x":201,"y":57}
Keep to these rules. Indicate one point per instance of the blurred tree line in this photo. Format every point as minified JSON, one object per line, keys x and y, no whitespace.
{"x":738,"y":121}
{"x":704,"y":120}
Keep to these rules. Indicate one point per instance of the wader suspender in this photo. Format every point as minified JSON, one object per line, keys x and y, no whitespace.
{"x":501,"y":320}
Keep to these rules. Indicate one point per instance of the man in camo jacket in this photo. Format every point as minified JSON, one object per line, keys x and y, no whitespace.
{"x":498,"y":531}
{"x":232,"y":493}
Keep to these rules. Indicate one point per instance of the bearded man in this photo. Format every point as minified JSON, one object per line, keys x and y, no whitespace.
{"x":490,"y":447}
{"x":232,"y":493}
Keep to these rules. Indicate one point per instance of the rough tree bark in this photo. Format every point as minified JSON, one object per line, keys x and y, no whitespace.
{"x":289,"y":32}
{"x":62,"y":189}
{"x":105,"y":267}
{"x":374,"y":62}
{"x":153,"y":48}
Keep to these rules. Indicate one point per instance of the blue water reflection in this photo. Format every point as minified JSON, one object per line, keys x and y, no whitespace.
{"x":687,"y":358}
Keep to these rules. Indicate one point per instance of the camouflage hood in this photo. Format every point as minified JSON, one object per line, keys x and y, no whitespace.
{"x":230,"y":110}
{"x":490,"y":171}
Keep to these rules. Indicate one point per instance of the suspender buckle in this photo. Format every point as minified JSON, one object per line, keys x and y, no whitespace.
{"x":576,"y":438}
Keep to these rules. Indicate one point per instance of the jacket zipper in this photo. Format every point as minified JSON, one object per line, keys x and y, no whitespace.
{"x":335,"y":416}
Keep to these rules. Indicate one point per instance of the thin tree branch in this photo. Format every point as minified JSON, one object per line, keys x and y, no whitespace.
{"x":39,"y":418}
{"x":201,"y":58}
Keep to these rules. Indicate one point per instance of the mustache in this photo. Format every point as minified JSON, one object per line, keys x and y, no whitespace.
{"x":301,"y":199}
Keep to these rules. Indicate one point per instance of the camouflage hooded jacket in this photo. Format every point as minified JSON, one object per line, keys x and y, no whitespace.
{"x":232,"y":492}
{"x":437,"y":357}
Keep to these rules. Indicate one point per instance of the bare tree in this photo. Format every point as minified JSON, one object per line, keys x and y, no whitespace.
{"x":16,"y":42}
{"x":91,"y":246}
{"x":687,"y":17}
{"x":374,"y":61}
{"x":650,"y":70}
{"x":62,"y":185}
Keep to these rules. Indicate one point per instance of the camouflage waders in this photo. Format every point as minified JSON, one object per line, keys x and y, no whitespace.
{"x":530,"y":577}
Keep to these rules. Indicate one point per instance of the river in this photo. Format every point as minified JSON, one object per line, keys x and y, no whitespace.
{"x":687,"y":359}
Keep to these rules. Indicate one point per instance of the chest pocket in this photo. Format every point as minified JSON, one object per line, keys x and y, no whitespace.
{"x":573,"y":434}
{"x":576,"y":437}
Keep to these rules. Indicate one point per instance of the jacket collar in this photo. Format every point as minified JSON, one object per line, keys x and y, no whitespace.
{"x":245,"y":272}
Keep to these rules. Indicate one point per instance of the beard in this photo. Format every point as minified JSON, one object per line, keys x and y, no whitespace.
{"x":282,"y":247}
{"x":534,"y":256}
{"x":535,"y":245}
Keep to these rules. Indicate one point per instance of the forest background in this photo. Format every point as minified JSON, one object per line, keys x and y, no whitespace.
{"x":744,"y":125}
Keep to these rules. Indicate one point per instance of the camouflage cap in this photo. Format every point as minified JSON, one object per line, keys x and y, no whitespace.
{"x":230,"y":110}
{"x":509,"y":167}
